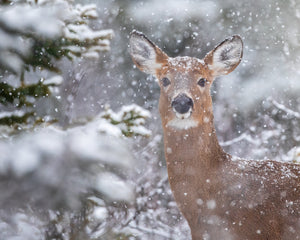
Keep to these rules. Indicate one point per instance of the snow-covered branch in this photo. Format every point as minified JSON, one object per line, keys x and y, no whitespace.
{"x":290,"y":113}
{"x":55,"y":28}
{"x":128,"y":121}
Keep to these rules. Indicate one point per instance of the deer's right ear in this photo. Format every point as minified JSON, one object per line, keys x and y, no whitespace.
{"x":226,"y":56}
{"x":145,"y":54}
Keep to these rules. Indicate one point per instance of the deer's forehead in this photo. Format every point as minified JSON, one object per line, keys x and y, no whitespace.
{"x":186,"y":64}
{"x":183,"y":67}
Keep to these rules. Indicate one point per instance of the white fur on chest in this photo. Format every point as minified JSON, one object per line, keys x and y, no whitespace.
{"x":182,"y":124}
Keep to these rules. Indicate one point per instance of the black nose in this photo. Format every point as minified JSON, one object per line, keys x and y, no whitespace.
{"x":182,"y":103}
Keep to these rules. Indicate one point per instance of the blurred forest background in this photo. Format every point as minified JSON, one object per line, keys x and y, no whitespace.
{"x":80,"y":136}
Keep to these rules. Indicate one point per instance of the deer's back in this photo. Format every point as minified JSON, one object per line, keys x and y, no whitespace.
{"x":252,"y":200}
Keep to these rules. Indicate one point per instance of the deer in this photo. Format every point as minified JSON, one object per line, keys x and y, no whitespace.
{"x":221,"y":196}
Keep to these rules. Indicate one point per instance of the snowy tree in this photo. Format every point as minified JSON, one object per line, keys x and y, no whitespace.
{"x":35,"y":35}
{"x":62,"y":182}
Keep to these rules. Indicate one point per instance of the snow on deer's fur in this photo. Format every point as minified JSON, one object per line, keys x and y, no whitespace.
{"x":221,"y":197}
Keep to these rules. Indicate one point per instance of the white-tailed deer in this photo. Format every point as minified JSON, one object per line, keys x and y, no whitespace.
{"x":221,"y":197}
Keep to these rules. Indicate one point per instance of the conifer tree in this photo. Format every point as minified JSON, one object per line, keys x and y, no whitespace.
{"x":36,"y":34}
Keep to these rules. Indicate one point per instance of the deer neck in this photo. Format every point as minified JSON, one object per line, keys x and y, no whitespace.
{"x":194,"y":151}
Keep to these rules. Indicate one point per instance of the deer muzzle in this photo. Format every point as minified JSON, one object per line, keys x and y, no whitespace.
{"x":182,"y":104}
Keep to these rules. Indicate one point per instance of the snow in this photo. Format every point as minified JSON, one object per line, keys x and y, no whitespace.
{"x":108,"y":128}
{"x":25,"y":18}
{"x":181,"y":9}
{"x":98,"y":39}
{"x":84,"y":33}
{"x":98,"y":201}
{"x":293,"y":155}
{"x":114,"y":188}
{"x":206,"y":120}
{"x":130,"y":118}
{"x":169,"y":150}
{"x":100,"y":213}
{"x":134,"y":108}
{"x":141,"y":130}
{"x":89,"y":10}
{"x":200,"y":202}
{"x":211,"y":204}
{"x":18,"y":113}
{"x":27,"y":228}
{"x":24,"y":160}
{"x":55,"y":80}
{"x":38,"y":153}
{"x":11,"y":60}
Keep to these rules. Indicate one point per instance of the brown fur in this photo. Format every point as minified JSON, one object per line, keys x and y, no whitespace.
{"x":220,"y":196}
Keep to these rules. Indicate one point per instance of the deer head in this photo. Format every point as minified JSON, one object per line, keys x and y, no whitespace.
{"x":185,"y":100}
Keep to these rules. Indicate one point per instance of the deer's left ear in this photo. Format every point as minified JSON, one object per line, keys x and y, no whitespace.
{"x":145,"y":54}
{"x":226,"y":56}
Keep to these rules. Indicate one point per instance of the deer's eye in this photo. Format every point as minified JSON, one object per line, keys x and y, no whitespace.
{"x":202,"y":82}
{"x":165,"y":82}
